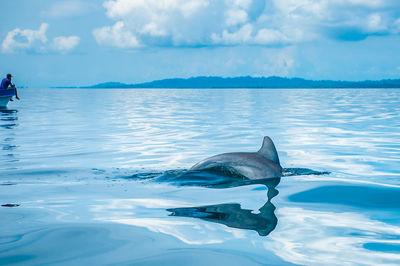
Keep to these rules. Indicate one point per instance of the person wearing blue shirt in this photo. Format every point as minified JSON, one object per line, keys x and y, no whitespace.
{"x":7,"y":82}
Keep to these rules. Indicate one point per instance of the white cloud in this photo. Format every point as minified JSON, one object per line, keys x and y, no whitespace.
{"x":27,"y":39}
{"x":349,"y":20}
{"x":36,"y":41}
{"x":65,"y":44}
{"x":153,"y":29}
{"x":236,"y":16}
{"x":247,"y":35}
{"x":243,"y":35}
{"x":396,"y":26}
{"x":116,"y":36}
{"x":270,"y":36}
{"x":68,"y":9}
{"x":366,"y":3}
{"x":188,"y":8}
{"x":147,"y":20}
{"x":376,"y":23}
{"x":237,"y":22}
{"x":122,"y":8}
{"x":239,"y":3}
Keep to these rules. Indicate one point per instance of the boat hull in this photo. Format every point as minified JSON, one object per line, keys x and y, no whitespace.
{"x":4,"y":101}
{"x":5,"y":96}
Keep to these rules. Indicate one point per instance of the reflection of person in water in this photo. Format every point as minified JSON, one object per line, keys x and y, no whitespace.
{"x":233,"y":215}
{"x":8,"y":121}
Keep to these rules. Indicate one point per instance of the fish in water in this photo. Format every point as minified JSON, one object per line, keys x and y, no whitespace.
{"x":252,"y":165}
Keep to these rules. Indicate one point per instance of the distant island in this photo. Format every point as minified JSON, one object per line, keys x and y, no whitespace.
{"x":252,"y":82}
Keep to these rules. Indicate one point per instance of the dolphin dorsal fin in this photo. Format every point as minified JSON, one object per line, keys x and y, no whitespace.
{"x":268,"y":150}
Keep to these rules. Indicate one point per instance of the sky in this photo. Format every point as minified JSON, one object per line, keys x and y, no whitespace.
{"x":48,"y":43}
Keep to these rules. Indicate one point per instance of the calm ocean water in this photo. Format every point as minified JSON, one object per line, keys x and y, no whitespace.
{"x":83,"y":166}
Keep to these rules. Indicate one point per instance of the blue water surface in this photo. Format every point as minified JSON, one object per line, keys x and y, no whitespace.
{"x":94,"y":177}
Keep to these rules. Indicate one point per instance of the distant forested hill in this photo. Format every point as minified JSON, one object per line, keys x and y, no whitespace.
{"x":252,"y":82}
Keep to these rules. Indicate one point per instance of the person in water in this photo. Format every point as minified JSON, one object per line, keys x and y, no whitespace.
{"x":7,"y":82}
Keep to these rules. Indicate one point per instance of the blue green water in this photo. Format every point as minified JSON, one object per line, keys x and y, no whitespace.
{"x":93,"y":175}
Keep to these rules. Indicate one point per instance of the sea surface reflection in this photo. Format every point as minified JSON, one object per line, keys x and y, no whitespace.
{"x":232,"y":214}
{"x":9,"y":120}
{"x":93,"y":176}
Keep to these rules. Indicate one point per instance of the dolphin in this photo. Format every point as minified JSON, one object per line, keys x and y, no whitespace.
{"x":251,"y":165}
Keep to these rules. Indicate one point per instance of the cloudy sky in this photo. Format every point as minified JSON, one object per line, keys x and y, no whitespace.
{"x":77,"y":42}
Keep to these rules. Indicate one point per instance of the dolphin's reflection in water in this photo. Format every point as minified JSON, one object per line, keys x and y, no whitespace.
{"x":232,"y":214}
{"x":229,"y":214}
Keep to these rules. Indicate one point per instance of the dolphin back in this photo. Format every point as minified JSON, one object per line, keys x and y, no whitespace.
{"x":268,"y":150}
{"x":252,"y":165}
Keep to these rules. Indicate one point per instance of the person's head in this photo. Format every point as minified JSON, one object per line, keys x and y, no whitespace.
{"x":9,"y":76}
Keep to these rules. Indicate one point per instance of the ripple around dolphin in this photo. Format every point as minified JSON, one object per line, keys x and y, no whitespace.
{"x":230,"y":214}
{"x":212,"y":179}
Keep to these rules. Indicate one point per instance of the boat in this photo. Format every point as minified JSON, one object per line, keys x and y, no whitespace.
{"x":5,"y":96}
